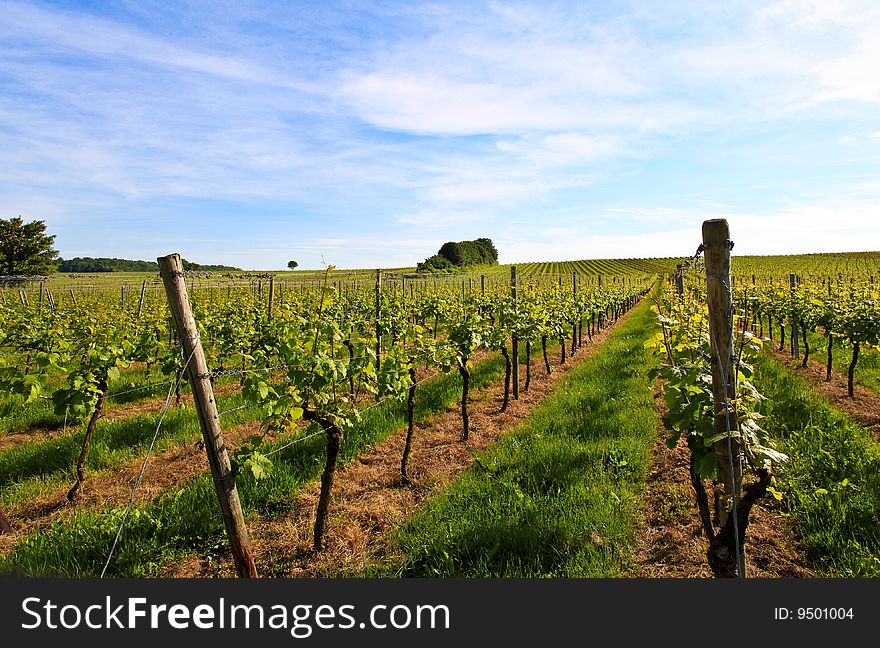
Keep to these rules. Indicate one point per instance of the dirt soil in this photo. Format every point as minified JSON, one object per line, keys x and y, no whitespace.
{"x":672,"y":543}
{"x":369,"y":499}
{"x":864,"y":406}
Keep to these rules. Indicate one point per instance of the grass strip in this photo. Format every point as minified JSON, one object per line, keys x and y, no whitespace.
{"x":560,"y":495}
{"x":831,"y":483}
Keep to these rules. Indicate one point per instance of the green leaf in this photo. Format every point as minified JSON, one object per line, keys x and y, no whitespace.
{"x":706,"y":467}
{"x":260,"y":465}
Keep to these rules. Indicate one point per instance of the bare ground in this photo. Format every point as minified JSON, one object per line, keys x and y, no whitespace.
{"x":672,"y":543}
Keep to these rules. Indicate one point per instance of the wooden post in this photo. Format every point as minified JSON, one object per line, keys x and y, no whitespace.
{"x":378,"y":316}
{"x":679,"y":280}
{"x":171,"y":270}
{"x":514,"y":339}
{"x":271,"y":297}
{"x":141,"y":302}
{"x":795,"y":346}
{"x":122,"y":301}
{"x":42,"y":285}
{"x":717,"y":244}
{"x":483,"y":285}
{"x":575,"y":339}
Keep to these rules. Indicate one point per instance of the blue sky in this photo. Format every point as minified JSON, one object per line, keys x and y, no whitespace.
{"x":368,"y":133}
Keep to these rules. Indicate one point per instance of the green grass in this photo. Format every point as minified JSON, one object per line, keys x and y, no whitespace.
{"x":559,"y":496}
{"x":187,"y":519}
{"x":831,"y":483}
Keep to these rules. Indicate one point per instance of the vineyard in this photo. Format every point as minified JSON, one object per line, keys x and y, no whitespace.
{"x":508,"y":422}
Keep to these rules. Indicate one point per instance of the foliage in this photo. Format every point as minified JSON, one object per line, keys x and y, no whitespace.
{"x":461,"y":254}
{"x":25,"y":248}
{"x":103,"y":264}
{"x":686,"y":356}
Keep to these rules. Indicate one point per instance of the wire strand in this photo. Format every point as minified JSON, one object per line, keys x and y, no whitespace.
{"x":140,"y":476}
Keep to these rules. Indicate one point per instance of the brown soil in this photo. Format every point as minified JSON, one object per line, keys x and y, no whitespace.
{"x":864,"y":407}
{"x":672,"y":543}
{"x":13,"y":438}
{"x":369,"y":499}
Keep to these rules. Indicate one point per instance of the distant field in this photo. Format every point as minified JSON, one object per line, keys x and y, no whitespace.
{"x":850,"y":263}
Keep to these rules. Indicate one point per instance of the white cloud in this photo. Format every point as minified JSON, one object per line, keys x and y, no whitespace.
{"x":842,"y":226}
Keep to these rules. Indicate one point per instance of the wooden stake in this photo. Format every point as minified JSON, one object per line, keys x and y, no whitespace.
{"x":171,"y":270}
{"x":717,"y":244}
{"x":514,"y":338}
{"x":795,"y":347}
{"x":141,"y":302}
{"x":271,"y":296}
{"x":378,"y":316}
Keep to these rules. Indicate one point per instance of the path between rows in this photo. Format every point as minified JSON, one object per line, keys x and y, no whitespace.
{"x":672,"y":543}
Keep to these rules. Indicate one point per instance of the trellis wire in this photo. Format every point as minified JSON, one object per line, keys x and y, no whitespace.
{"x":140,"y":476}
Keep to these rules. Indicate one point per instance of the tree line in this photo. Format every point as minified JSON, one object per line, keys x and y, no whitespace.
{"x":26,"y":250}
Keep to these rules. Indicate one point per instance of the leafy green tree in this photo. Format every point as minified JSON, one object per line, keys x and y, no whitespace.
{"x":25,"y":248}
{"x":292,"y":265}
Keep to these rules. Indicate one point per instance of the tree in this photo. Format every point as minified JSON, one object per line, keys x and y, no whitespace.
{"x":292,"y":264}
{"x":25,"y":248}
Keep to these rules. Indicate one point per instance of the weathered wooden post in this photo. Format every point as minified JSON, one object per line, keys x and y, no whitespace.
{"x":717,"y":245}
{"x":171,"y":270}
{"x":514,"y":338}
{"x":574,"y":324}
{"x":141,"y":302}
{"x":795,"y":347}
{"x":271,"y":297}
{"x":679,"y":280}
{"x":378,"y":323}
